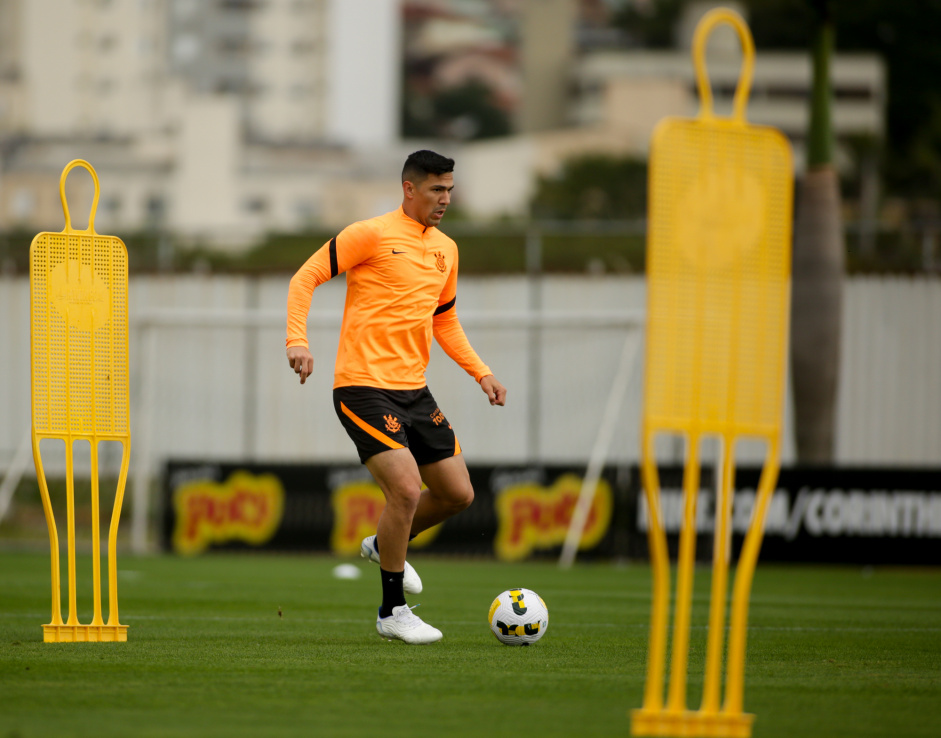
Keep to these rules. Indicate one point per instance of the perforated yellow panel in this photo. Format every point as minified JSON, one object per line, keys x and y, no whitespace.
{"x":718,"y":275}
{"x":80,"y":388}
{"x":80,"y":335}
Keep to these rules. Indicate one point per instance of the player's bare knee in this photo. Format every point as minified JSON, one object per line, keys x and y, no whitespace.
{"x":462,"y":499}
{"x":404,"y":497}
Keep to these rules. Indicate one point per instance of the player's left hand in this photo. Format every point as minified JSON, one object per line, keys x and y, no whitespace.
{"x":301,"y":361}
{"x":495,"y":391}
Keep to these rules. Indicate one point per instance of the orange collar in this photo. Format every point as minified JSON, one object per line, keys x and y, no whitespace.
{"x":410,"y":219}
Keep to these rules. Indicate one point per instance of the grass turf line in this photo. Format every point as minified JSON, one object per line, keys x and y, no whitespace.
{"x":831,"y":652}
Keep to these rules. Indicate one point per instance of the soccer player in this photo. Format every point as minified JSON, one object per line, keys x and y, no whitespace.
{"x":401,"y":287}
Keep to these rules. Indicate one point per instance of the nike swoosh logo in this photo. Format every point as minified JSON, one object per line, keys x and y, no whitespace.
{"x":397,"y":252}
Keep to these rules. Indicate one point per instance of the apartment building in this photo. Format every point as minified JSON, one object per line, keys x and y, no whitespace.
{"x":211,"y":118}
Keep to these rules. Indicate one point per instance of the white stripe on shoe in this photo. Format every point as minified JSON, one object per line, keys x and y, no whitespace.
{"x":411,"y":582}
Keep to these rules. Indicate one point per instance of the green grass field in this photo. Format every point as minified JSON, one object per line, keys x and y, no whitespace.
{"x":832,"y":652}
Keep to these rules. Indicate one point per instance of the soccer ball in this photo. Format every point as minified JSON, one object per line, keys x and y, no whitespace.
{"x":518,"y":617}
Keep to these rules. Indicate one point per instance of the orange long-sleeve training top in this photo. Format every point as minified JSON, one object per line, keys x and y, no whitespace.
{"x":401,"y":288}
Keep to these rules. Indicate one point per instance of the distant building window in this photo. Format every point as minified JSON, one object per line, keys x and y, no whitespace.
{"x":186,"y":48}
{"x":154,"y":210}
{"x":786,"y":92}
{"x":22,"y":204}
{"x":255,"y":89}
{"x":256,"y":205}
{"x":239,"y":4}
{"x":303,"y":46}
{"x":853,"y":92}
{"x":233,"y":84}
{"x":111,"y":206}
{"x":724,"y":90}
{"x":235,"y":44}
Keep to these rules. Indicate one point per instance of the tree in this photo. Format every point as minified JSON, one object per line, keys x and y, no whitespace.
{"x":593,"y":187}
{"x":818,"y":267}
{"x":650,"y":25}
{"x":465,"y":112}
{"x":901,"y":33}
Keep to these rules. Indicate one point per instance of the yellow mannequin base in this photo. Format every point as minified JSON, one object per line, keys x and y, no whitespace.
{"x":689,"y":723}
{"x":84,"y":633}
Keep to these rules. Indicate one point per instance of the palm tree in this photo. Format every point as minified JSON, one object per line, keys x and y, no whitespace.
{"x":819,"y":261}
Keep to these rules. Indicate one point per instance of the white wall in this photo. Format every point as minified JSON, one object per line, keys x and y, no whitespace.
{"x":890,"y":384}
{"x":207,"y":404}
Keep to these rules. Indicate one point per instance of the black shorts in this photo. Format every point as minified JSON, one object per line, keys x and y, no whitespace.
{"x":380,"y":419}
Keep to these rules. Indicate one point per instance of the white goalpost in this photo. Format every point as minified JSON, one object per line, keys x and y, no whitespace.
{"x":628,"y":370}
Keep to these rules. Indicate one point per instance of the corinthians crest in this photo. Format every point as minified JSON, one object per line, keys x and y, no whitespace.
{"x":439,"y":261}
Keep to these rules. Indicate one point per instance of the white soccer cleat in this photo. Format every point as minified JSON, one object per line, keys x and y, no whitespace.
{"x":406,"y":626}
{"x":411,"y":582}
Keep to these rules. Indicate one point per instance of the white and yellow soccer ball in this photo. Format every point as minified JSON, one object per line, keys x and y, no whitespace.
{"x":518,"y":617}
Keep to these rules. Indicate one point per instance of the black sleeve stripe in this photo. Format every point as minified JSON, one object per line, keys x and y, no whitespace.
{"x":447,"y":306}
{"x":334,"y":268}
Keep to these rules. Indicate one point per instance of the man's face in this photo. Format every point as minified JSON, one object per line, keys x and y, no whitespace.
{"x":432,"y":197}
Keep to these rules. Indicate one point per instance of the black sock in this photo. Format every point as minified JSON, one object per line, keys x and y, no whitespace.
{"x":392,"y":593}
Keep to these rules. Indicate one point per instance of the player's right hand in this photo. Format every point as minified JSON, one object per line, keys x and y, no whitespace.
{"x":301,"y":361}
{"x":495,"y":391}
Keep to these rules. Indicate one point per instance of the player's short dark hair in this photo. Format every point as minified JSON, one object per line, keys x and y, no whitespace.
{"x":422,"y":163}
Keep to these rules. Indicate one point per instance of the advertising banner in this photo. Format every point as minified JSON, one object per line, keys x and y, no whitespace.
{"x":822,"y":514}
{"x":517,"y":512}
{"x":825,"y":514}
